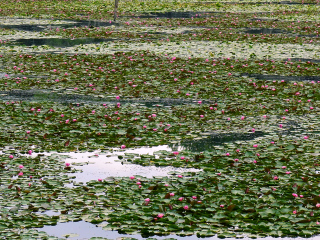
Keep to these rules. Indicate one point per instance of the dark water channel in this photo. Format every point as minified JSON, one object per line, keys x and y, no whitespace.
{"x":59,"y":42}
{"x":265,"y":31}
{"x":53,"y":96}
{"x":279,"y":77}
{"x":174,"y":14}
{"x":304,"y":60}
{"x":208,"y":143}
{"x":269,"y":3}
{"x":278,"y":31}
{"x":42,"y":27}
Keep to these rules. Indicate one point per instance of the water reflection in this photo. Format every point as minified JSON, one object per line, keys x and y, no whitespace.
{"x":95,"y":165}
{"x":4,"y":75}
{"x":85,"y":230}
{"x":51,"y":213}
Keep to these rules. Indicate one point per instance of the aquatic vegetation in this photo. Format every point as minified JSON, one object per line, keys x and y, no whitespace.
{"x":231,"y":88}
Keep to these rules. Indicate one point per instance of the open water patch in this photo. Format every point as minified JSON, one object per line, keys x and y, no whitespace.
{"x":51,"y":213}
{"x":60,"y":42}
{"x":4,"y":75}
{"x":265,"y":31}
{"x":304,"y":60}
{"x":86,"y":230}
{"x":264,"y":3}
{"x":25,"y":27}
{"x":46,"y":95}
{"x":100,"y":165}
{"x":41,"y":27}
{"x":174,"y":14}
{"x":279,"y":77}
{"x":37,"y":95}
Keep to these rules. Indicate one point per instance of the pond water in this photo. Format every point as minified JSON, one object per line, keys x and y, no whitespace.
{"x":175,"y":14}
{"x":286,"y":78}
{"x":60,"y":42}
{"x":205,"y":144}
{"x":4,"y":75}
{"x":100,"y":165}
{"x":305,"y":60}
{"x":265,"y":31}
{"x":85,"y":230}
{"x":41,"y":27}
{"x":95,"y":165}
{"x":63,"y":97}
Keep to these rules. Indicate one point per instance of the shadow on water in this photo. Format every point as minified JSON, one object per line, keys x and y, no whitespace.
{"x":206,"y":144}
{"x":271,"y":3}
{"x":260,"y":3}
{"x":304,"y":60}
{"x":52,"y":96}
{"x":59,"y":42}
{"x":43,"y":95}
{"x":279,"y":77}
{"x":175,"y":14}
{"x":41,"y":27}
{"x":277,"y":31}
{"x":265,"y":31}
